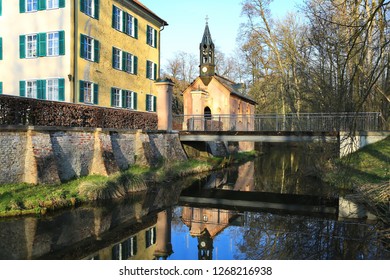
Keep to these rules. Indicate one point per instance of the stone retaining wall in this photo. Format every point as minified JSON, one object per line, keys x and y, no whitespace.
{"x":47,"y":155}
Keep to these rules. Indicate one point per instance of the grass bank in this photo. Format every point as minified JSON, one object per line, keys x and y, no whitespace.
{"x":21,"y":199}
{"x":366,"y":172}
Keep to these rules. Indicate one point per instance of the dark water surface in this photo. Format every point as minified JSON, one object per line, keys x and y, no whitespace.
{"x":275,"y":207}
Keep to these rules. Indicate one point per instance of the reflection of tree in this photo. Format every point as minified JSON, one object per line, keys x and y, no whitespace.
{"x":268,"y":236}
{"x":296,"y":170}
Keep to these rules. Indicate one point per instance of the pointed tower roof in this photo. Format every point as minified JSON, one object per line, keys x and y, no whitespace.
{"x":206,"y":40}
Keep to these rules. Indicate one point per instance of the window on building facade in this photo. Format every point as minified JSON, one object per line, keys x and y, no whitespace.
{"x":130,"y":99}
{"x":151,"y":103}
{"x":131,"y":63}
{"x":53,"y":44}
{"x":31,"y":89}
{"x":123,"y":98}
{"x":150,"y":237}
{"x":124,"y":22}
{"x":151,"y":70}
{"x":151,"y":36}
{"x":52,"y":89}
{"x":49,"y":89}
{"x":90,"y":8}
{"x":116,"y":96}
{"x":31,"y":5}
{"x":116,"y":58}
{"x":117,"y":21}
{"x":52,"y":4}
{"x":88,"y":92}
{"x":131,"y":25}
{"x":89,"y":48}
{"x":125,"y":250}
{"x":42,"y":44}
{"x":31,"y":46}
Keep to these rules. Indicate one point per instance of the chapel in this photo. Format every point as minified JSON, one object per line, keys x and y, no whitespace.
{"x":211,"y":94}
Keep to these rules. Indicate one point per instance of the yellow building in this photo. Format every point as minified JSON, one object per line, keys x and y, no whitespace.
{"x":105,"y":53}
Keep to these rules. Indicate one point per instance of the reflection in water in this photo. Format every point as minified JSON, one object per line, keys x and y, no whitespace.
{"x":272,"y":208}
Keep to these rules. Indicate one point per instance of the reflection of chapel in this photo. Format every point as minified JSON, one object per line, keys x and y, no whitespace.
{"x":211,"y":94}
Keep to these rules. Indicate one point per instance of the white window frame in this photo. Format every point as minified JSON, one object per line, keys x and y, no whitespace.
{"x":89,"y":7}
{"x":52,"y":89}
{"x":52,"y":4}
{"x":117,"y":63}
{"x":131,"y":25}
{"x":89,"y":52}
{"x":130,"y":63}
{"x":117,"y":98}
{"x":32,"y":88}
{"x":31,"y":6}
{"x":118,"y":19}
{"x":53,"y":44}
{"x":152,"y":38}
{"x":88,"y":92}
{"x":31,"y":45}
{"x":150,"y":105}
{"x":151,"y":70}
{"x":129,"y":99}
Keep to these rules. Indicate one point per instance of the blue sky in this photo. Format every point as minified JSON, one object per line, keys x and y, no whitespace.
{"x":186,"y":19}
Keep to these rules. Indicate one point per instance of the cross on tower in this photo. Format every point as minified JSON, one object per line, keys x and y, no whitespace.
{"x":207,"y":19}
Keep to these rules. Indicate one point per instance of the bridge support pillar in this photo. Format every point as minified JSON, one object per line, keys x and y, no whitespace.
{"x":164,"y":104}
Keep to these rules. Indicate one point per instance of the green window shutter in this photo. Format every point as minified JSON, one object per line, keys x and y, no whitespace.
{"x":135,"y":103}
{"x":148,"y":69}
{"x":96,"y":49}
{"x":113,"y":16}
{"x":135,"y":59}
{"x":82,"y":6}
{"x":41,"y":89}
{"x":22,"y":46}
{"x":154,"y":103}
{"x":1,"y":87}
{"x":147,"y":34}
{"x":42,"y":44}
{"x":1,"y":8}
{"x":112,"y":96}
{"x":41,"y":5}
{"x":113,"y":57}
{"x":1,"y":47}
{"x":155,"y":38}
{"x":124,"y":93}
{"x":22,"y":6}
{"x":96,"y":9}
{"x":81,"y":91}
{"x":124,"y":60}
{"x":124,"y":22}
{"x":82,"y":45}
{"x":135,"y":28}
{"x":147,"y":107}
{"x":154,"y":71}
{"x":61,"y":3}
{"x":61,"y":35}
{"x":95,"y":94}
{"x":22,"y":88}
{"x":61,"y":89}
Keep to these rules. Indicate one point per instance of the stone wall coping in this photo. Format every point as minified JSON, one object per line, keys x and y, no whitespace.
{"x":365,"y":133}
{"x":81,"y":129}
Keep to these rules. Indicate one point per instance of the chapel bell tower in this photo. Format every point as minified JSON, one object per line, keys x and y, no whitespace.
{"x":207,"y":55}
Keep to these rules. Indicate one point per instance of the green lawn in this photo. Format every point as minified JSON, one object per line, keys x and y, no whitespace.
{"x":19,"y":199}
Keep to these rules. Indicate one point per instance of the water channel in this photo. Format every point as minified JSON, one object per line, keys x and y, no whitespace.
{"x":274,"y":207}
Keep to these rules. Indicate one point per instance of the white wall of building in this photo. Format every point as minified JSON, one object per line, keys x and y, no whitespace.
{"x":13,"y":24}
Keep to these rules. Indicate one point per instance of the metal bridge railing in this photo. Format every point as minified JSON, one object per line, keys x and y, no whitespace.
{"x":316,"y":122}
